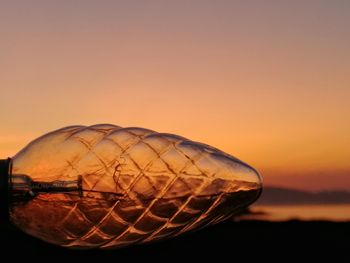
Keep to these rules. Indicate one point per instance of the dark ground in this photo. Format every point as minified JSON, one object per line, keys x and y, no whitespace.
{"x":229,"y":240}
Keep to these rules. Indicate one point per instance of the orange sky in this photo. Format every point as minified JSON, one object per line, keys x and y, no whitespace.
{"x":267,"y":82}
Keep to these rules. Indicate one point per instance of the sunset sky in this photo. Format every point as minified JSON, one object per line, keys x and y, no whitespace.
{"x":266,"y":81}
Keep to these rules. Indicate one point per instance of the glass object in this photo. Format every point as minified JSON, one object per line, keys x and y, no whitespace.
{"x":104,"y":186}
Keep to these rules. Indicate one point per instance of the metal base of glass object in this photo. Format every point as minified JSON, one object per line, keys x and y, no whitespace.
{"x":5,"y":167}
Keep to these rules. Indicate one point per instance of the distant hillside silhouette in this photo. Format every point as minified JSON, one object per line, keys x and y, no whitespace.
{"x":277,"y":195}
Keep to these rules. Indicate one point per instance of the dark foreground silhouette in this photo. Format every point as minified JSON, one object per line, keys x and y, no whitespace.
{"x":247,"y":239}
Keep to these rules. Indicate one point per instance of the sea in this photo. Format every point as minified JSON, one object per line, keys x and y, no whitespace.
{"x":326,"y":212}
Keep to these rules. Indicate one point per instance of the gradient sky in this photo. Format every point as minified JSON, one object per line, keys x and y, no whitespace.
{"x":266,"y":81}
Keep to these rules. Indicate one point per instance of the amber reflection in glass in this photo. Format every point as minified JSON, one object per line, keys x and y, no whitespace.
{"x":106,"y":186}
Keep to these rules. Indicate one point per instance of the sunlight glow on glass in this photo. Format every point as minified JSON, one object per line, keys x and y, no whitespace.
{"x":105,"y":186}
